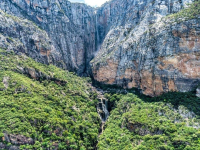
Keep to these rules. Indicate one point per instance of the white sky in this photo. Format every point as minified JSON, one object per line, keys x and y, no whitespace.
{"x":95,"y":2}
{"x":91,"y":2}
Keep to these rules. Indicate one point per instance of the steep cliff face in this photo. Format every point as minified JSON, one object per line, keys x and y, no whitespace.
{"x":132,"y":12}
{"x":147,"y":50}
{"x":22,"y":36}
{"x":70,"y":27}
{"x":138,"y":44}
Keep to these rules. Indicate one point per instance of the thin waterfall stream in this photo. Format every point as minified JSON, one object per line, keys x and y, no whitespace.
{"x":102,"y":109}
{"x":97,"y":32}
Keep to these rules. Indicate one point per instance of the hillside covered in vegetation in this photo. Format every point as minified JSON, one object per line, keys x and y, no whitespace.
{"x":145,"y":73}
{"x":138,"y":124}
{"x":44,"y":107}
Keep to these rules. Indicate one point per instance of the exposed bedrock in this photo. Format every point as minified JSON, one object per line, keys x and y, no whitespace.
{"x":70,"y":27}
{"x":145,"y":49}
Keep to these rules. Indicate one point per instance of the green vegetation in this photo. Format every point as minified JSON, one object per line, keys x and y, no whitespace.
{"x":52,"y":114}
{"x":150,"y":123}
{"x":191,"y":12}
{"x":177,"y":99}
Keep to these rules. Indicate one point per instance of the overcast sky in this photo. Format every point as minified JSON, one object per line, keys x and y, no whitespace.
{"x":91,"y":2}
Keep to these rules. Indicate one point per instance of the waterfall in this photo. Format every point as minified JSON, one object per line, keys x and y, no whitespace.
{"x":102,"y":109}
{"x":97,"y":32}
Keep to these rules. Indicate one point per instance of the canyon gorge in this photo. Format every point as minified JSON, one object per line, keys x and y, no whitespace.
{"x":125,"y":75}
{"x":129,"y":43}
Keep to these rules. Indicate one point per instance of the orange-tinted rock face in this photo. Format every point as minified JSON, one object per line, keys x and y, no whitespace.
{"x":147,"y":82}
{"x":188,"y":65}
{"x":171,"y":85}
{"x":108,"y":73}
{"x":187,"y":40}
{"x":133,"y":76}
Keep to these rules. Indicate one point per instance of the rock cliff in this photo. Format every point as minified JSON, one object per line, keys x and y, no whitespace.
{"x":22,"y":36}
{"x":133,"y":43}
{"x":147,"y":48}
{"x":70,"y":28}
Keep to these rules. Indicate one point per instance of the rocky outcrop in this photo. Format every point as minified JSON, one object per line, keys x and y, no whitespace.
{"x":38,"y":75}
{"x":16,"y":140}
{"x":142,"y":130}
{"x":5,"y":82}
{"x":4,"y":146}
{"x":145,"y":49}
{"x":70,"y":28}
{"x":22,"y":36}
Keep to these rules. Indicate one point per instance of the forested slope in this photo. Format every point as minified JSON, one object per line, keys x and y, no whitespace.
{"x":151,"y":123}
{"x":44,"y":107}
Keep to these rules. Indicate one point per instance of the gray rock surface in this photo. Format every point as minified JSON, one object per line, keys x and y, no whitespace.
{"x":70,"y":28}
{"x":23,"y":36}
{"x":145,"y":49}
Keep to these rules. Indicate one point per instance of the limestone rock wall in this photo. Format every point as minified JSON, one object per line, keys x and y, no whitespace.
{"x":22,"y":36}
{"x":70,"y":27}
{"x":130,"y":13}
{"x":143,"y":49}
